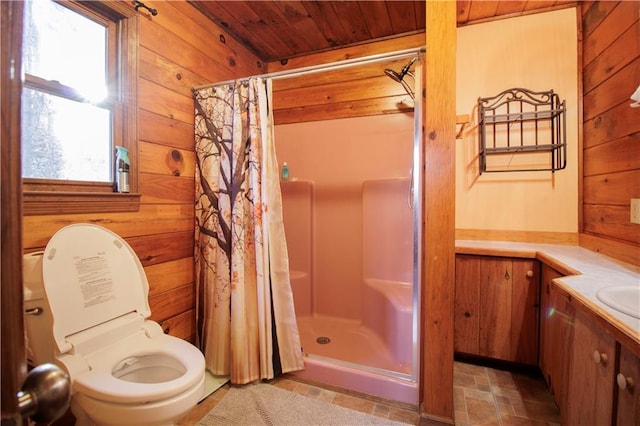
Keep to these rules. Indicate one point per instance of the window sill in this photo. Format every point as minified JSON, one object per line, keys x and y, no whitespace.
{"x":54,"y":202}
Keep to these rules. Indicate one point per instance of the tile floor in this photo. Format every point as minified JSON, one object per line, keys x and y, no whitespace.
{"x":488,"y":396}
{"x":482,"y":396}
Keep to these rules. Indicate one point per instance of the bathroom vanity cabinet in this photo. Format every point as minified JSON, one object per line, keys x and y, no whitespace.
{"x":603,"y":382}
{"x":590,"y":365}
{"x":628,"y":383}
{"x":589,"y":398}
{"x":556,"y":322}
{"x":496,"y":308}
{"x":594,"y":378}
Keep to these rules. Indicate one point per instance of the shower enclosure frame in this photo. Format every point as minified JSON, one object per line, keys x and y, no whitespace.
{"x":415,"y":196}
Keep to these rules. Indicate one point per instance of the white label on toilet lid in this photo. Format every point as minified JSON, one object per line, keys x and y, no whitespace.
{"x":94,"y":277}
{"x":91,"y":276}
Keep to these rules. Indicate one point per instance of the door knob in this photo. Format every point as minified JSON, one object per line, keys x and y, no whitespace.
{"x":45,"y":393}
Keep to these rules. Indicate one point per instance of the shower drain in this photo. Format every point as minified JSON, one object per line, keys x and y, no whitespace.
{"x":323,"y":340}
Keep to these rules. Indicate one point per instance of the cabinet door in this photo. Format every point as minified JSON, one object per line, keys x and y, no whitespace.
{"x":466,"y":307}
{"x":556,"y":326}
{"x":525,"y":306}
{"x":628,"y":380}
{"x":495,"y":308}
{"x":589,"y":392}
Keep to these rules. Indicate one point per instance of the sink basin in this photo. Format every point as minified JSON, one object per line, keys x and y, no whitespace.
{"x":625,"y":299}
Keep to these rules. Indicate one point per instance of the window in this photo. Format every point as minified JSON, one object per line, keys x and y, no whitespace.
{"x":79,"y":86}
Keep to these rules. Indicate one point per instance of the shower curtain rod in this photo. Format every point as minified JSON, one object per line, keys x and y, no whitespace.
{"x":372,"y":59}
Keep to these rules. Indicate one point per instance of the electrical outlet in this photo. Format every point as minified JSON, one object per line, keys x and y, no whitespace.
{"x":635,"y":210}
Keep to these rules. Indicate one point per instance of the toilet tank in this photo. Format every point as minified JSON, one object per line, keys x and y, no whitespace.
{"x":38,"y":319}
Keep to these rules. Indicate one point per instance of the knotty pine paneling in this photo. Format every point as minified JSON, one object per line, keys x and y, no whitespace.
{"x":164,"y":160}
{"x":160,"y":248}
{"x":172,"y":303}
{"x":593,"y":13}
{"x":482,"y":10}
{"x":605,"y":35}
{"x":184,"y":36}
{"x":329,"y":86}
{"x":359,"y":108}
{"x":376,"y":15}
{"x":166,"y":189}
{"x":244,"y":22}
{"x":177,"y":49}
{"x":357,"y":51}
{"x":329,"y":22}
{"x":349,"y":92}
{"x":167,"y":73}
{"x":618,"y":155}
{"x":151,"y":219}
{"x":165,"y":131}
{"x":614,"y":57}
{"x":182,"y":326}
{"x":356,"y":73}
{"x":365,"y":88}
{"x":155,"y":98}
{"x":405,"y":17}
{"x":291,"y":22}
{"x":608,"y":94}
{"x":615,"y":123}
{"x":612,"y":221}
{"x":611,"y":128}
{"x":168,"y":276}
{"x":615,"y":188}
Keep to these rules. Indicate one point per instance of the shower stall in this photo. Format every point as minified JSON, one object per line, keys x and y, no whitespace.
{"x":352,"y":215}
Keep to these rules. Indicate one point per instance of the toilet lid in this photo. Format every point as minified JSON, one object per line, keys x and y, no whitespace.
{"x":91,"y":276}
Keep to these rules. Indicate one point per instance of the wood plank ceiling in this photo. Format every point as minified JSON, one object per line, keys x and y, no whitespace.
{"x":278,"y":30}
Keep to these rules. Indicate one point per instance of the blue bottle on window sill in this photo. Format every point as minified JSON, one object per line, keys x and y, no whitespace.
{"x":285,"y":171}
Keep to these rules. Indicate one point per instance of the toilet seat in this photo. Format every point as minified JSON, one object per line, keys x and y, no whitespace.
{"x":101,"y":384}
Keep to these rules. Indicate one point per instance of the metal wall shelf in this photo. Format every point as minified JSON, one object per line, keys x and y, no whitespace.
{"x":520,"y":121}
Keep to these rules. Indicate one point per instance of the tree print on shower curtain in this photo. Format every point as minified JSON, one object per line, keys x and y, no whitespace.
{"x":245,"y":316}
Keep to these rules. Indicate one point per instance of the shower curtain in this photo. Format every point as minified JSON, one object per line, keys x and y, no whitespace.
{"x":246,"y":321}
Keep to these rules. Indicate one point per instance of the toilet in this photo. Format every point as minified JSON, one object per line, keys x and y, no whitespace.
{"x":86,"y":309}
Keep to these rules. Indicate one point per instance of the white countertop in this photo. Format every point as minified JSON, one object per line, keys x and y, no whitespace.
{"x":594,"y":271}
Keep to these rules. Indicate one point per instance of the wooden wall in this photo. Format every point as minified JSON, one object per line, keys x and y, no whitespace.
{"x":611,"y":139}
{"x":178,"y":49}
{"x":349,"y":92}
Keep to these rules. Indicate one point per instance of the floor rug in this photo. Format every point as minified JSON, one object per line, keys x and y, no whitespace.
{"x":264,"y":404}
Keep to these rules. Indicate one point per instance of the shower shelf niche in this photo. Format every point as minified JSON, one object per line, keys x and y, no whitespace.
{"x":520,"y":121}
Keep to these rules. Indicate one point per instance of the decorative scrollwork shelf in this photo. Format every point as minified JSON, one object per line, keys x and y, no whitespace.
{"x":520,"y":121}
